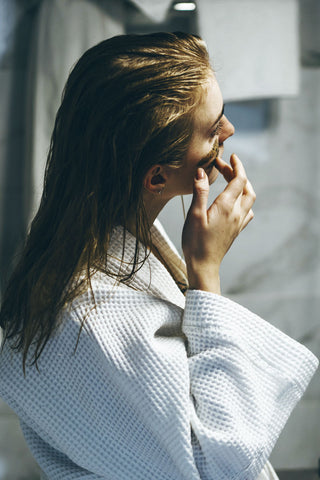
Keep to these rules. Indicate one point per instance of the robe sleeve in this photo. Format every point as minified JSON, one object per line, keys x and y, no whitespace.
{"x":133,"y":402}
{"x":246,"y":377}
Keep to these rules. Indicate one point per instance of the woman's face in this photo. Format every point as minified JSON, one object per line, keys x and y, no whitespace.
{"x":211,"y":129}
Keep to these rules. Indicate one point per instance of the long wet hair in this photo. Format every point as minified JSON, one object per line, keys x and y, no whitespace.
{"x":128,"y":105}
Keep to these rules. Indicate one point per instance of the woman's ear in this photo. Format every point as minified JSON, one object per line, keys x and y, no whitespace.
{"x":155,"y":179}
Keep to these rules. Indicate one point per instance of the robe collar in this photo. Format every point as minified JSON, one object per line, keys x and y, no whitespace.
{"x":153,"y":276}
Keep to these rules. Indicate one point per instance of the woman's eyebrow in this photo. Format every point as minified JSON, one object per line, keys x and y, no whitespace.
{"x":218,"y":119}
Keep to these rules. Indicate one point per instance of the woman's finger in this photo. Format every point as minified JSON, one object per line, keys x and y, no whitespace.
{"x":225,"y":169}
{"x":247,"y":219}
{"x":237,"y":184}
{"x":237,"y":167}
{"x":229,"y":172}
{"x":248,"y":190}
{"x":249,"y":196}
{"x":200,"y":194}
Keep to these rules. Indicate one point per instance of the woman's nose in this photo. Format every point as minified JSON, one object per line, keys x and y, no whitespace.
{"x":227,"y":130}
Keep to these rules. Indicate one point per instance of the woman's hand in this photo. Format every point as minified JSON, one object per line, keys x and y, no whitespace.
{"x":208,"y":234}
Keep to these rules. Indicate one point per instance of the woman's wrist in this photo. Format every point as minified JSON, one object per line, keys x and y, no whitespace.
{"x":207,"y":283}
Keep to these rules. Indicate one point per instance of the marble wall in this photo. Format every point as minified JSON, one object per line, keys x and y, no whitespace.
{"x":272,"y":268}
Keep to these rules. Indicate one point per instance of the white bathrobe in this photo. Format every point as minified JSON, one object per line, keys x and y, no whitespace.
{"x":161,"y":386}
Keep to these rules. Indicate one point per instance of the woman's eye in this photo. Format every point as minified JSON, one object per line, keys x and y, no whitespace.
{"x":216,"y":131}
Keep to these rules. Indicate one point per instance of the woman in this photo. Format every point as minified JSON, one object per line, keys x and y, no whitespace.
{"x":113,"y":371}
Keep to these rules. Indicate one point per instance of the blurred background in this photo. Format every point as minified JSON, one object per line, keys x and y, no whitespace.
{"x":266,"y":55}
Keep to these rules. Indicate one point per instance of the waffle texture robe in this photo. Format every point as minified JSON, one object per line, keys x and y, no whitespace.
{"x":162,"y":386}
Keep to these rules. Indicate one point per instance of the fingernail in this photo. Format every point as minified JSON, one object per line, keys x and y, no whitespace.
{"x":200,"y":174}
